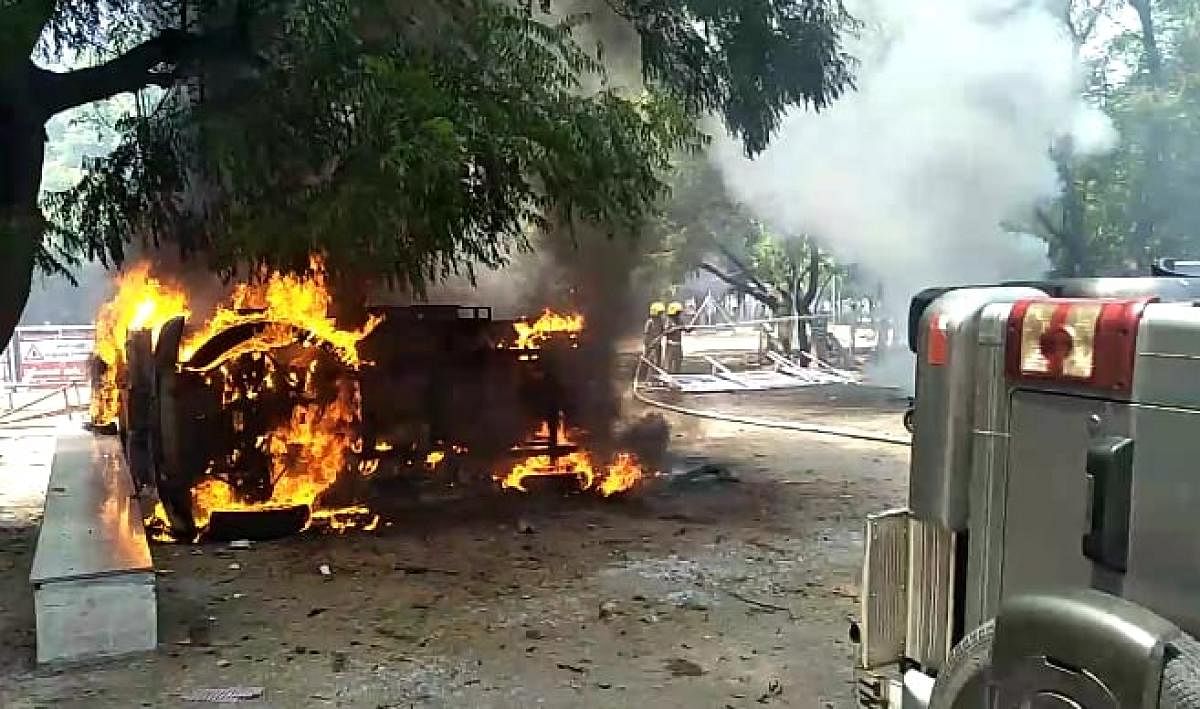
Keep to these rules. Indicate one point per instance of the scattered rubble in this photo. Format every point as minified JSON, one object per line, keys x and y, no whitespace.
{"x":774,"y":689}
{"x":679,"y":667}
{"x":224,"y":694}
{"x":608,"y":609}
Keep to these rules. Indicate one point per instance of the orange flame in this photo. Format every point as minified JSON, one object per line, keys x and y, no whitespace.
{"x":285,"y":301}
{"x":308,"y":453}
{"x":157,"y":524}
{"x":619,"y":476}
{"x":532,"y":335}
{"x":141,"y":302}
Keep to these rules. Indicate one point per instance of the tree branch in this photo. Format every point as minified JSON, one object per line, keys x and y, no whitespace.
{"x":1153,"y":54}
{"x":823,"y":286}
{"x":21,"y":26}
{"x":133,"y":70}
{"x":162,"y":60}
{"x":742,"y":286}
{"x":1046,"y":222}
{"x":814,"y":275}
{"x":1090,"y":27}
{"x":727,"y":253}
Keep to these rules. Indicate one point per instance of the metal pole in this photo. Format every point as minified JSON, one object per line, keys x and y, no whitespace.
{"x":28,"y":404}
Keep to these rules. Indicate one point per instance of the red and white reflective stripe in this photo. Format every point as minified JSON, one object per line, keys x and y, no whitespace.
{"x":1077,"y":342}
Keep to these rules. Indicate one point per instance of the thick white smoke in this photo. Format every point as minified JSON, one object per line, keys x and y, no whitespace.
{"x":947,"y":137}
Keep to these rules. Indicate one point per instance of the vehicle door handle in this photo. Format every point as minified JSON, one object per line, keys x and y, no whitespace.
{"x":1110,"y":487}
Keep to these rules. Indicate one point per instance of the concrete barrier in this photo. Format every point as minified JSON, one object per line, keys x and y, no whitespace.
{"x":92,"y":575}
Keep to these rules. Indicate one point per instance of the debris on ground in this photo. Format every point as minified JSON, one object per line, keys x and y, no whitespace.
{"x":845,"y":590}
{"x":608,"y":609}
{"x":679,"y":667}
{"x":224,"y":694}
{"x":689,"y":600}
{"x":441,"y":611}
{"x":240,"y":544}
{"x":774,"y":689}
{"x":418,"y":570}
{"x":704,"y":474}
{"x":759,"y":605}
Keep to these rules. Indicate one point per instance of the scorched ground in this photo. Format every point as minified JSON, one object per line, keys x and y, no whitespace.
{"x":453,"y":606}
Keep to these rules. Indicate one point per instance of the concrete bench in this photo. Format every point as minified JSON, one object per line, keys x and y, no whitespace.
{"x":92,"y":575}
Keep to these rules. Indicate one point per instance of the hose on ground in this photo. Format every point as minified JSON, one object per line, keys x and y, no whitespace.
{"x":851,"y":433}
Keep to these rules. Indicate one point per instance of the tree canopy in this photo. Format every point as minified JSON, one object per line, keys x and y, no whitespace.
{"x":1123,"y":209}
{"x":406,"y":141}
{"x":703,"y":230}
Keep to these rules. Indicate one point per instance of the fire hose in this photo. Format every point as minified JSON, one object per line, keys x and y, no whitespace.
{"x":772,"y":423}
{"x":851,"y":433}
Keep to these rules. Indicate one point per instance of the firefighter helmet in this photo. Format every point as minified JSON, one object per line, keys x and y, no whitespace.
{"x":657,"y":308}
{"x":675,"y":308}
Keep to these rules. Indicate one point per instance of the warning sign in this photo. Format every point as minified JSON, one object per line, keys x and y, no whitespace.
{"x":53,"y":355}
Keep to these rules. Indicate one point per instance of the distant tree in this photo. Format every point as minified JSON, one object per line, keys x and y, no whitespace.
{"x":1119,"y":211}
{"x":406,"y":140}
{"x":702,"y":229}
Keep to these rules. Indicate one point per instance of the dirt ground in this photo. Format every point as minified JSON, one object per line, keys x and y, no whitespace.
{"x":700,"y":591}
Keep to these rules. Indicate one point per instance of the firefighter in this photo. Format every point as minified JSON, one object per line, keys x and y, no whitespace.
{"x":652,"y":334}
{"x":674,"y":337}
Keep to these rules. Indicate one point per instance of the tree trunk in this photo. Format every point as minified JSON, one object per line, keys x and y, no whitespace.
{"x":1073,"y":261}
{"x":22,"y":145}
{"x":1144,"y":211}
{"x":30,"y":96}
{"x":805,"y":302}
{"x":784,"y":310}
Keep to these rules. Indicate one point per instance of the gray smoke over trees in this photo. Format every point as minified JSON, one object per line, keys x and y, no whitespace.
{"x":947,"y":140}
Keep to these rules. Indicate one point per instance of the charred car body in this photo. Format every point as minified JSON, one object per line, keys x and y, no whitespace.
{"x":230,"y":410}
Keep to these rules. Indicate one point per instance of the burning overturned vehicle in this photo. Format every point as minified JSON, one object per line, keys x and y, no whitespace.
{"x":268,"y":417}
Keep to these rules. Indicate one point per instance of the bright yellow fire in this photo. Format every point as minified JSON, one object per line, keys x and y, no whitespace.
{"x":309,"y":451}
{"x":141,"y":302}
{"x":298,"y":301}
{"x":532,"y":335}
{"x":618,"y":476}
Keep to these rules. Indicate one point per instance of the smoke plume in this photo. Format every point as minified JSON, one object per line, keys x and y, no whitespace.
{"x":947,"y":138}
